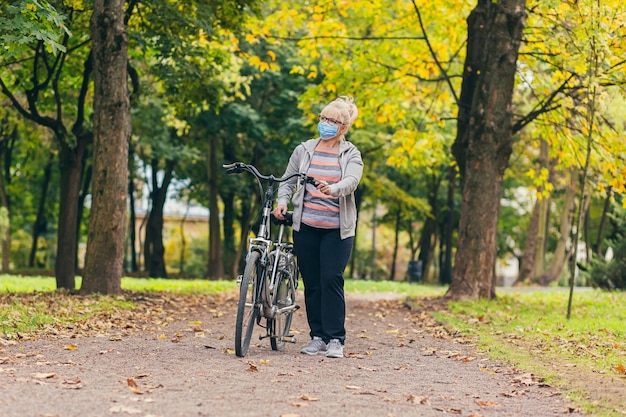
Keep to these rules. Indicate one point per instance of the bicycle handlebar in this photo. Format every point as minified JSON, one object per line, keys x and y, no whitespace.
{"x":238,"y":167}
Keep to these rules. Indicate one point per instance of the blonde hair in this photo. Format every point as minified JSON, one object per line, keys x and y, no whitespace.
{"x":344,"y":109}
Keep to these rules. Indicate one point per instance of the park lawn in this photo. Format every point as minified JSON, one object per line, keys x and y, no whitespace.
{"x":529,"y":329}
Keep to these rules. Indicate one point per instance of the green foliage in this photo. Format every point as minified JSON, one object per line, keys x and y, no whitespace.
{"x":611,"y":274}
{"x":26,"y":21}
{"x":195,"y":265}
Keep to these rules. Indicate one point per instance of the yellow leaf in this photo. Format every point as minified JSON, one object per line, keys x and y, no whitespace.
{"x":71,"y":347}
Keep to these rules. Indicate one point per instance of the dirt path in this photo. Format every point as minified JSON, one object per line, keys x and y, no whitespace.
{"x":183,"y":364}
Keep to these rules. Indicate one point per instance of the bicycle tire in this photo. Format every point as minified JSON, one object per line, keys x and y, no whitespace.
{"x":247,"y":310}
{"x":280,"y":325}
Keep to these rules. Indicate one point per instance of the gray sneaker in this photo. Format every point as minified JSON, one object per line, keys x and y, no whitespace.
{"x":314,"y":347}
{"x":334,"y":349}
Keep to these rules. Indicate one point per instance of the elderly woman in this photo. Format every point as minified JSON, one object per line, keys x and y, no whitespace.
{"x":324,"y":222}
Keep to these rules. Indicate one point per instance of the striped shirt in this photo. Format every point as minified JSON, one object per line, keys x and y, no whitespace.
{"x":321,"y":210}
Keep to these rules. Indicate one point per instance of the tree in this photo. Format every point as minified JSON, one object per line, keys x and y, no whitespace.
{"x":484,"y":140}
{"x":107,"y":225}
{"x":37,"y":90}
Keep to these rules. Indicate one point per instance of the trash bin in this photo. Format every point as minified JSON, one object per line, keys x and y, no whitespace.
{"x":415,"y":271}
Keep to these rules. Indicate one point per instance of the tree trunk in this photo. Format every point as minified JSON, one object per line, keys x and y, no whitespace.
{"x":41,"y":222}
{"x":86,"y":185}
{"x":132,"y":227}
{"x":7,"y":144}
{"x":70,"y":162}
{"x":445,"y":277}
{"x":483,"y":144}
{"x":229,"y":232}
{"x":527,"y":263}
{"x":561,"y":255}
{"x":154,"y":250}
{"x":602,"y":228}
{"x":539,"y":264}
{"x":104,"y":259}
{"x":6,"y":239}
{"x":215,"y":268}
{"x":394,"y":256}
{"x":244,"y":221}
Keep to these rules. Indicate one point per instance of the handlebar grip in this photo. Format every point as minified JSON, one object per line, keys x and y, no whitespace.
{"x":234,"y":168}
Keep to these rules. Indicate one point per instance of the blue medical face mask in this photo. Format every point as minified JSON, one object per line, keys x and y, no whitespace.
{"x":327,"y":131}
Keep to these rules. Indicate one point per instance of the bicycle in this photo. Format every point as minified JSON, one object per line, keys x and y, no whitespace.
{"x":267,"y":287}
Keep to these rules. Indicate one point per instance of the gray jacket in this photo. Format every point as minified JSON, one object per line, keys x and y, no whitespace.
{"x":351,"y":171}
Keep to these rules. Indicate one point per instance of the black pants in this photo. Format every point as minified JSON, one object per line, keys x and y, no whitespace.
{"x":322,"y":258}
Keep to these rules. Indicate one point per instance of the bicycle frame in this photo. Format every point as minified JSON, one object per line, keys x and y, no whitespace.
{"x":270,"y":251}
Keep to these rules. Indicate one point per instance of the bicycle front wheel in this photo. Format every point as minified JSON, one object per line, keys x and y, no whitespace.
{"x":247,"y":310}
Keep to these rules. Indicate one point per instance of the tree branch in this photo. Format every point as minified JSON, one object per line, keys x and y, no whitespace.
{"x":444,"y":73}
{"x":78,"y":127}
{"x":351,"y":38}
{"x":541,"y":108}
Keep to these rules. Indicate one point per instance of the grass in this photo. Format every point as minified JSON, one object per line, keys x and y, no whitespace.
{"x":27,"y":284}
{"x":530,"y":330}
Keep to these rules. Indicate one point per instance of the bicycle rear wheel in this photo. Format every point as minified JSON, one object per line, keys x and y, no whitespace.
{"x":247,"y":310}
{"x":280,"y":325}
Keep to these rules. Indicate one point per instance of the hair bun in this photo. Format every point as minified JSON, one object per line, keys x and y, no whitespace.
{"x":347,"y":103}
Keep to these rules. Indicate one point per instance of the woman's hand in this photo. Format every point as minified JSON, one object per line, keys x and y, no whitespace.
{"x":280,"y":211}
{"x":323,"y":187}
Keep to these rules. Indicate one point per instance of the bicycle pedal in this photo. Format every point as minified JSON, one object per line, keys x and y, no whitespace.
{"x":289,"y":339}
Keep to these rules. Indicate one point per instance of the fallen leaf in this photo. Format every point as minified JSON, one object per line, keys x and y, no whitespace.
{"x":71,"y":381}
{"x":264,"y":362}
{"x":70,"y":347}
{"x":43,"y":375}
{"x":526,"y":379}
{"x":131,"y":382}
{"x":298,"y":404}
{"x":352,"y":387}
{"x":253,"y":368}
{"x":418,"y":400}
{"x":488,"y":403}
{"x":307,"y":398}
{"x":620,"y":369}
